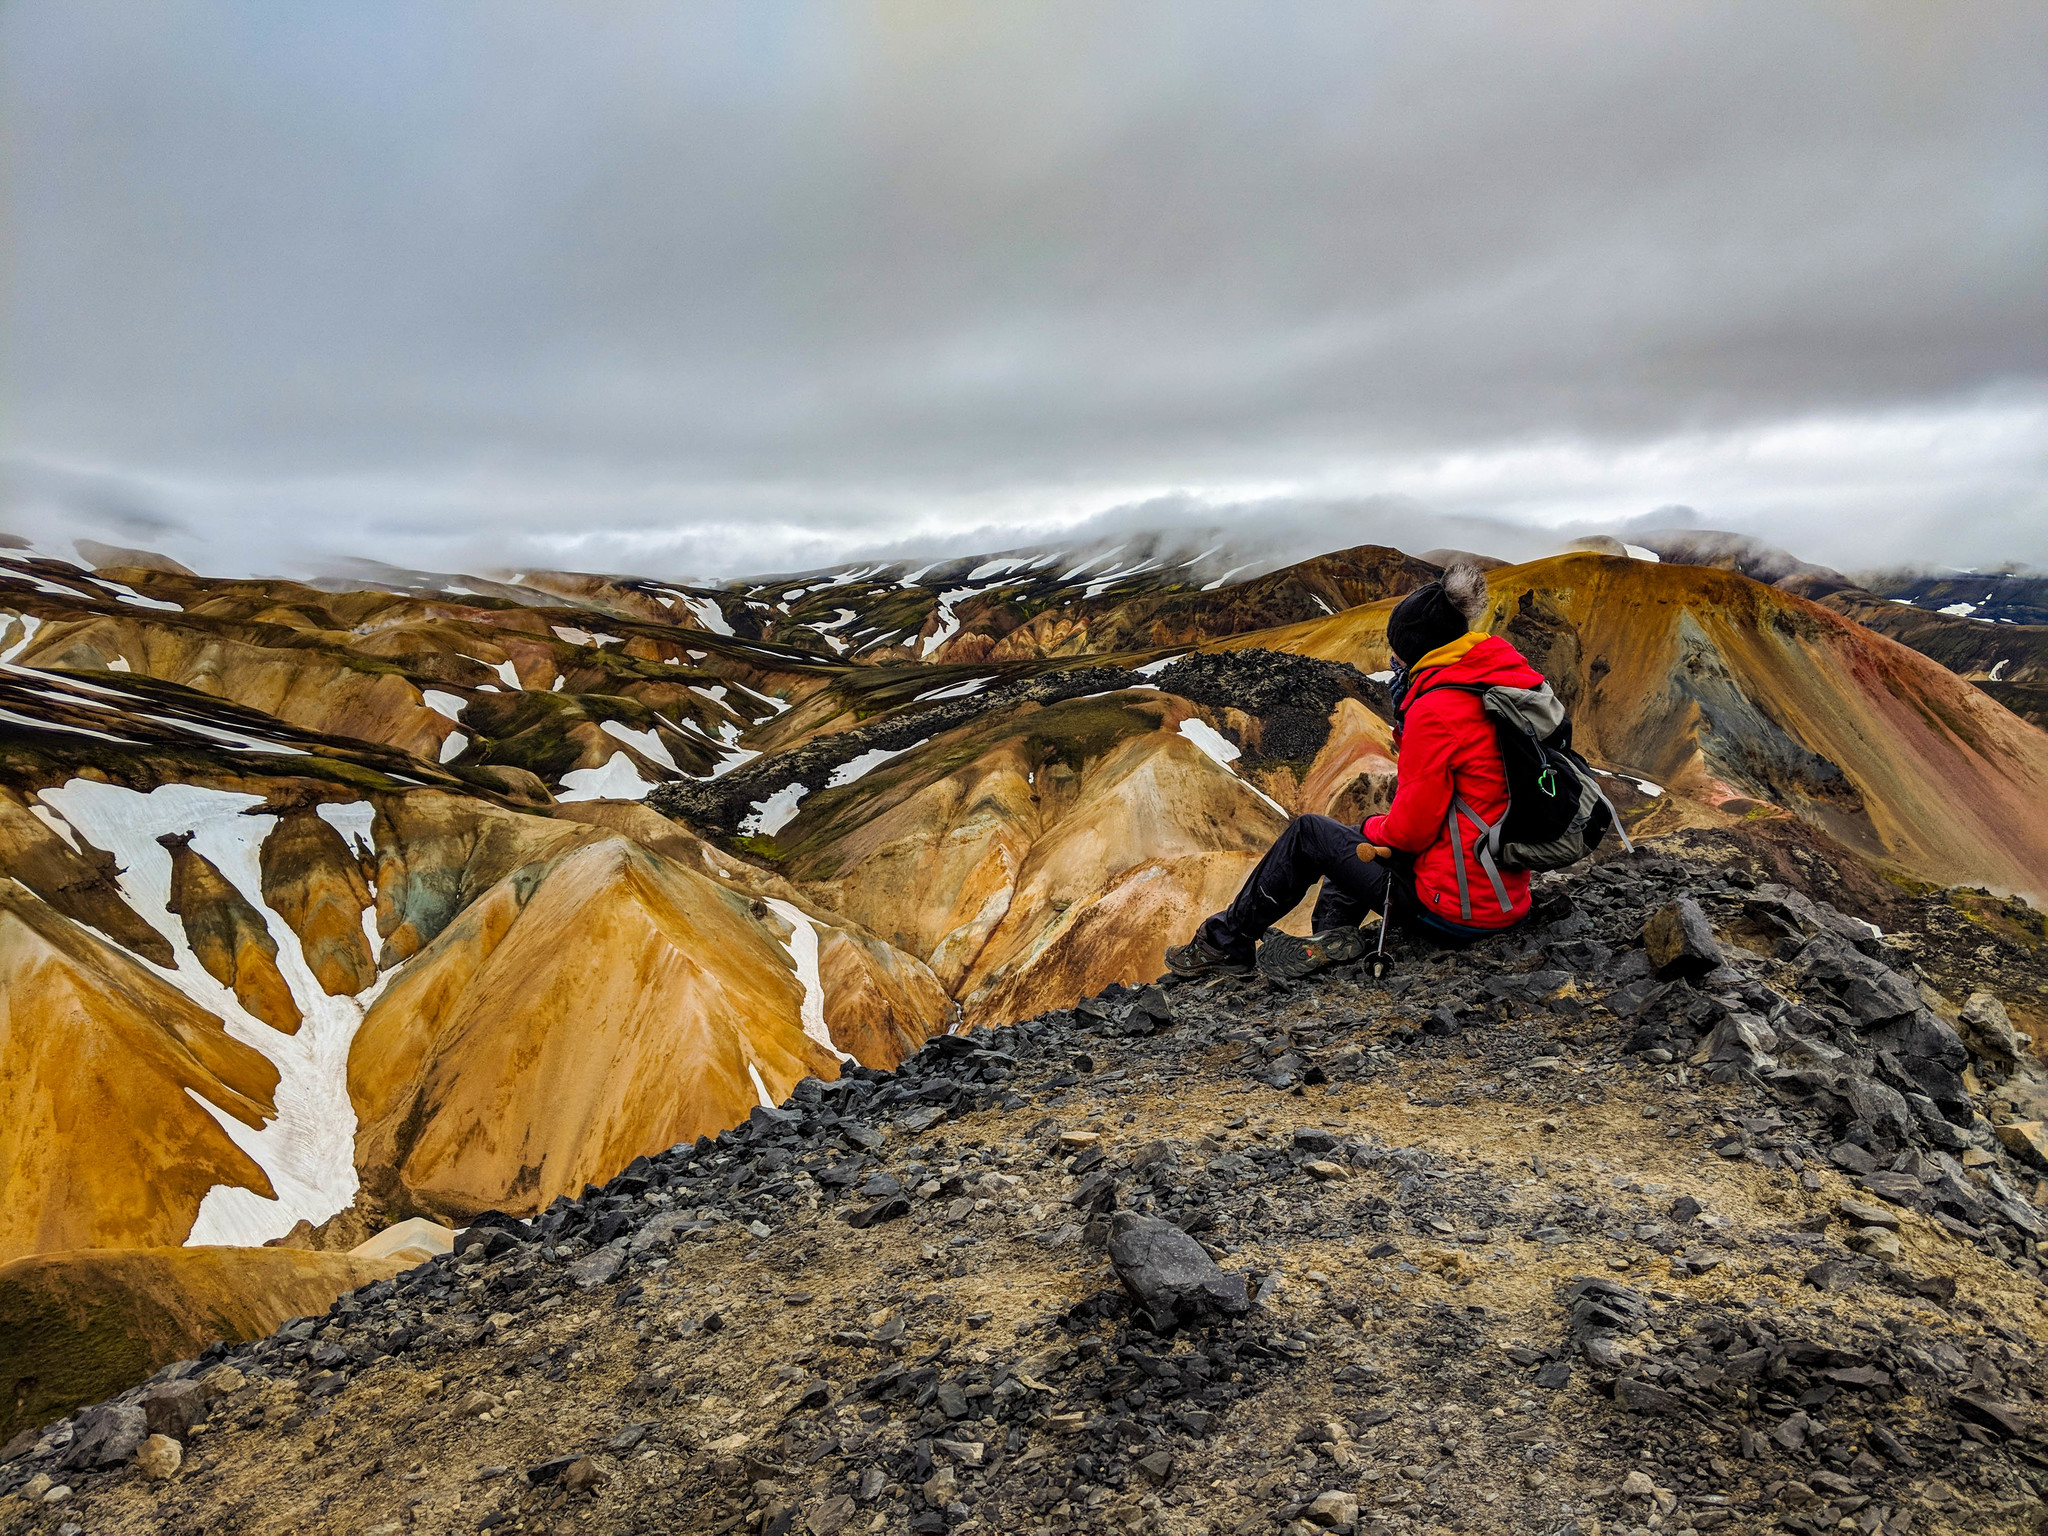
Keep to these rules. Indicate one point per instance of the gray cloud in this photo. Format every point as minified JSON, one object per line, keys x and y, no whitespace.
{"x":714,"y":288}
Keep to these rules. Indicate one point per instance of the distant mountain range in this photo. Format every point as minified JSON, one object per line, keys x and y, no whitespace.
{"x":335,"y":903}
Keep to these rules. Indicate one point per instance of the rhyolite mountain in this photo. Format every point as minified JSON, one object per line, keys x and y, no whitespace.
{"x":333,"y":904}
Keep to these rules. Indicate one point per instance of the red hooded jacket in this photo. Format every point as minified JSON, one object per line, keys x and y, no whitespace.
{"x":1446,"y":747}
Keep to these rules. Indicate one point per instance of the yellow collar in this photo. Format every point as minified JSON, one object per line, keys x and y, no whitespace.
{"x":1449,"y":652}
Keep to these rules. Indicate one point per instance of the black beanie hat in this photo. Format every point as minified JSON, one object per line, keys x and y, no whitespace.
{"x":1436,"y":614}
{"x":1422,"y":621}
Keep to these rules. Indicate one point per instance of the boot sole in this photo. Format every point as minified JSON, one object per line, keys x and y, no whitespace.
{"x":1191,"y":972}
{"x":1290,"y":959}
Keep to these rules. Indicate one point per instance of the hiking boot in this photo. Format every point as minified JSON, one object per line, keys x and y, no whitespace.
{"x":1195,"y":958}
{"x":1290,"y":959}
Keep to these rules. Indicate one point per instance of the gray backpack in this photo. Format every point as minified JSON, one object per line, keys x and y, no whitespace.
{"x":1556,"y":813}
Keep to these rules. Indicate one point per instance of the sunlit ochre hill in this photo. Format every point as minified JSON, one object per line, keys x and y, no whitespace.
{"x":405,"y":895}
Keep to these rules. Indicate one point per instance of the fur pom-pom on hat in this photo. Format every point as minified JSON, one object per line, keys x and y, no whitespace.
{"x":1438,"y":613}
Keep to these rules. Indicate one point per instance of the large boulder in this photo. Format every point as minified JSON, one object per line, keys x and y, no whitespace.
{"x":1795,"y":916}
{"x":1871,"y":991}
{"x":1681,"y":941}
{"x":1890,"y":1016}
{"x":107,"y":1436}
{"x":1987,"y":1030}
{"x":1169,"y":1273}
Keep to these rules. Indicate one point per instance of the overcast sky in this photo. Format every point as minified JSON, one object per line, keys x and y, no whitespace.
{"x":698,"y":289}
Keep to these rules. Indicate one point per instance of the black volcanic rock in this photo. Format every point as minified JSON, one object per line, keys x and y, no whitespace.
{"x":1167,"y":1272}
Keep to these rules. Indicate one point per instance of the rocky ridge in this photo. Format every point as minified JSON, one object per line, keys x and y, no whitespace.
{"x":1292,"y":696}
{"x":1680,"y":1210}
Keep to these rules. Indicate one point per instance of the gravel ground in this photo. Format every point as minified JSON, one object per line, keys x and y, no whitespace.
{"x":1533,"y":1240}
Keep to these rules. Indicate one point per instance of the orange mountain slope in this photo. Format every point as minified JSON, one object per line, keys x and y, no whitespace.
{"x":106,"y":1075}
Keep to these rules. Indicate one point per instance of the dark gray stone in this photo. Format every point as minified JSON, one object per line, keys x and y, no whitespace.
{"x":107,"y":1436}
{"x":1167,"y":1271}
{"x":172,"y":1409}
{"x":1872,"y":992}
{"x":594,"y":1269}
{"x":1680,"y":941}
{"x":1641,"y":1397}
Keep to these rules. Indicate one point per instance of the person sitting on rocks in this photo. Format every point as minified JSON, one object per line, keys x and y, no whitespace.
{"x":1446,"y":751}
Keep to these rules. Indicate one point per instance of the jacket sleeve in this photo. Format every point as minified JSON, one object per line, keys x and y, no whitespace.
{"x":1422,"y":783}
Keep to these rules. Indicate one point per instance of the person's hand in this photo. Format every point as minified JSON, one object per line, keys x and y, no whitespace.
{"x":1367,"y":852}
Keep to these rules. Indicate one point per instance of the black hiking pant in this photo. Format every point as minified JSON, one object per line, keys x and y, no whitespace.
{"x":1312,"y":848}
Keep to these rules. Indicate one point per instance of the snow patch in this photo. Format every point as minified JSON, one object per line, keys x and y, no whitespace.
{"x":776,"y":812}
{"x":780,"y":706}
{"x":1211,"y":740}
{"x":802,"y":945}
{"x":708,"y":614}
{"x":618,"y":779}
{"x":1211,"y":586}
{"x":353,"y":819}
{"x":131,"y":596}
{"x":29,"y":625}
{"x":453,"y":745}
{"x":48,"y":588}
{"x":916,"y":576}
{"x":737,"y":758}
{"x":1959,"y":610}
{"x":449,"y":704}
{"x":1224,"y":752}
{"x":1109,"y":579}
{"x":855,"y":768}
{"x":1092,"y":560}
{"x":1637,"y":552}
{"x":575,"y":636}
{"x":509,"y":675}
{"x":240,"y":739}
{"x":56,"y":824}
{"x":955,"y":690}
{"x":1998,"y":671}
{"x":949,"y":623}
{"x":308,"y":1150}
{"x":760,"y":1087}
{"x":646,"y":743}
{"x":74,"y":730}
{"x":1154,"y":668}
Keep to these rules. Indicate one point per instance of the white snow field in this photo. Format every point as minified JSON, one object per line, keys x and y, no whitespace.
{"x":856,"y":768}
{"x":802,"y":945}
{"x":774,"y":813}
{"x":618,"y":779}
{"x":308,"y":1151}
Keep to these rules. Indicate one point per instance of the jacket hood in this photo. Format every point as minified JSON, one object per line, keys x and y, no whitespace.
{"x":1474,"y":660}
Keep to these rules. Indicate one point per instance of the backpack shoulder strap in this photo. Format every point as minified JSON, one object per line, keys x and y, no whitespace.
{"x":1487,"y":846}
